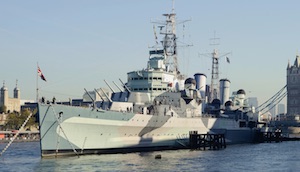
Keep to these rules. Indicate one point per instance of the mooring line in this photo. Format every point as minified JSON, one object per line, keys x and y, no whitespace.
{"x":58,"y":141}
{"x":16,"y":135}
{"x":58,"y":122}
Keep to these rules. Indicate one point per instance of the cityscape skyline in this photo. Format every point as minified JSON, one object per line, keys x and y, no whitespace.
{"x":79,"y":46}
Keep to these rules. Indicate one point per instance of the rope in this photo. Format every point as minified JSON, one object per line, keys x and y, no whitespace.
{"x":58,"y":122}
{"x":16,"y":135}
{"x":58,"y":141}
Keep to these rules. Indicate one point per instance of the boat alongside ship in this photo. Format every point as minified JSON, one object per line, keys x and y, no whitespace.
{"x":156,"y":110}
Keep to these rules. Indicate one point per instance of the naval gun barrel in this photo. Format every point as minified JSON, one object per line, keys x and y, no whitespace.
{"x":99,"y":95}
{"x":127,"y":89}
{"x":118,"y":87}
{"x":109,"y":86}
{"x":106,"y":95}
{"x":94,"y":105}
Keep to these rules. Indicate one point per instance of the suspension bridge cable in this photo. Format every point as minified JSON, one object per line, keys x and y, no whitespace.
{"x":277,"y":94}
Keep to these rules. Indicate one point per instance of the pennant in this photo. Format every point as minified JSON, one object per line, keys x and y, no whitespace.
{"x":41,"y":74}
{"x":227,"y":59}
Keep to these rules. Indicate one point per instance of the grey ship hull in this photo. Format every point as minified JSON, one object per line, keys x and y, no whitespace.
{"x":69,"y":130}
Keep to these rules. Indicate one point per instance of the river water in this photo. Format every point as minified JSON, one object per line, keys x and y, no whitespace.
{"x":284,"y":156}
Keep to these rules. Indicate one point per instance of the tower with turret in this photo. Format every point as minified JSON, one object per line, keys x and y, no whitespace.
{"x":293,"y":88}
{"x":11,"y":104}
{"x":4,"y":95}
{"x":17,"y":91}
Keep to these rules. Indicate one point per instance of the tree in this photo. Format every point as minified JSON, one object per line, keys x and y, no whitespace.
{"x":3,"y":109}
{"x":15,"y":120}
{"x":12,"y":121}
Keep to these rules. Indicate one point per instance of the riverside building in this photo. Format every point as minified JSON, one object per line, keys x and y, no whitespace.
{"x":11,"y":104}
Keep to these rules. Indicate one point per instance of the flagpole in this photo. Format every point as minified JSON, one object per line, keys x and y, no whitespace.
{"x":37,"y":80}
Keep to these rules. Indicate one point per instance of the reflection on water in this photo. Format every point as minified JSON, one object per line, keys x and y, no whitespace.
{"x":171,"y":160}
{"x":283,"y":156}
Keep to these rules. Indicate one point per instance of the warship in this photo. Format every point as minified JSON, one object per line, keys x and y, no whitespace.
{"x":154,"y":110}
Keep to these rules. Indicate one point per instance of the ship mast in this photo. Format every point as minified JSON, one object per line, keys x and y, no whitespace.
{"x":167,"y":28}
{"x":169,"y":42}
{"x":214,"y":86}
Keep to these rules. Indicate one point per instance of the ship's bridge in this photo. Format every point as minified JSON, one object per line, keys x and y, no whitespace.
{"x":155,"y":80}
{"x":157,"y":60}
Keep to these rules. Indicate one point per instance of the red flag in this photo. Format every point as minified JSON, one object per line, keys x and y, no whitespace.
{"x":41,"y":74}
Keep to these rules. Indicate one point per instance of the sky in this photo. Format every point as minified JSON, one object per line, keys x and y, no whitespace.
{"x":78,"y":44}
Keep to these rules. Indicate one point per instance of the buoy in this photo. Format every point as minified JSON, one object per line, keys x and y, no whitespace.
{"x":158,"y":156}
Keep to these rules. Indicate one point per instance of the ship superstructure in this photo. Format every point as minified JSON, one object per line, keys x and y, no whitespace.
{"x":157,"y":109}
{"x":162,"y":73}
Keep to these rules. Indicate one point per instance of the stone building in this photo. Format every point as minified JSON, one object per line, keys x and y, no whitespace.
{"x":11,"y":104}
{"x":293,"y":88}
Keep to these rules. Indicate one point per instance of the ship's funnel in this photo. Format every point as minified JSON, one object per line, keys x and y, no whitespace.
{"x":224,"y":90}
{"x":201,"y":83}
